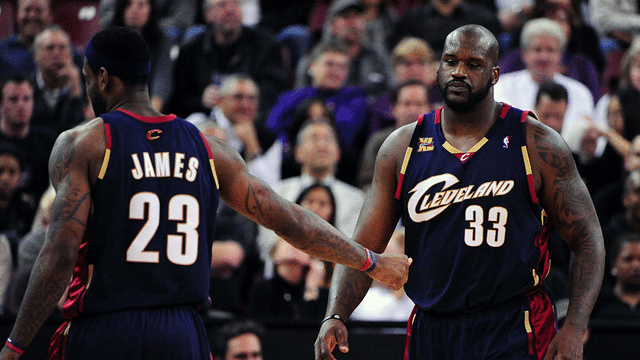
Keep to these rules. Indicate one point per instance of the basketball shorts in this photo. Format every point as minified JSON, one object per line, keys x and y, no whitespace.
{"x":158,"y":333}
{"x":519,"y":330}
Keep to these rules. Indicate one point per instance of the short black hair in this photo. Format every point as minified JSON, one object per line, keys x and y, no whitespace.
{"x":233,"y":329}
{"x":10,"y":149}
{"x":395,"y":93}
{"x":553,"y":90}
{"x":14,"y":77}
{"x":125,"y":45}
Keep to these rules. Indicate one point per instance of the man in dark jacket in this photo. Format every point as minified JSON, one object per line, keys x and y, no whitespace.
{"x":225,"y":47}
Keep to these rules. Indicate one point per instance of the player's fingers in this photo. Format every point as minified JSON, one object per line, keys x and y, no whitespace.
{"x":343,"y":344}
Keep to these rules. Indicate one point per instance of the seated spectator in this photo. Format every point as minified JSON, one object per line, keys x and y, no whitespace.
{"x":621,"y":300}
{"x":32,"y":16}
{"x":143,"y":17}
{"x":627,"y":220}
{"x":382,"y":303}
{"x":380,"y":20}
{"x":318,"y":152}
{"x":236,"y":113}
{"x":543,"y":41}
{"x":368,"y":67}
{"x":618,"y":21}
{"x":433,"y":20}
{"x":629,"y":90}
{"x":298,"y":290}
{"x":582,"y":58}
{"x":410,"y":100}
{"x":289,"y":20}
{"x":413,"y":59}
{"x":329,"y":66}
{"x":16,"y":212}
{"x":293,"y":293}
{"x":599,"y":172}
{"x":59,"y":94}
{"x":225,"y":47}
{"x":239,"y":339}
{"x":608,"y":200}
{"x":35,"y":143}
{"x":173,"y":17}
{"x":313,"y":109}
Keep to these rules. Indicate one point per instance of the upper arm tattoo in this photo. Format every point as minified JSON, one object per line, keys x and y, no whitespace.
{"x":566,"y":194}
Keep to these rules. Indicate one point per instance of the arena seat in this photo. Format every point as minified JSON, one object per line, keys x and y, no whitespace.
{"x":79,"y":18}
{"x":7,"y":18}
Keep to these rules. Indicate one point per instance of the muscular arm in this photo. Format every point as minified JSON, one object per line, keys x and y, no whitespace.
{"x":69,"y":173}
{"x":566,"y":200}
{"x":377,"y":222}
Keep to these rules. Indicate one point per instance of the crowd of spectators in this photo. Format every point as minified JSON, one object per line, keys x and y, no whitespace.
{"x":307,"y":92}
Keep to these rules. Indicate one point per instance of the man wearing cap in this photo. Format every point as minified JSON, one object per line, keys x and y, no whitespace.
{"x":133,"y":218}
{"x":369,"y":67}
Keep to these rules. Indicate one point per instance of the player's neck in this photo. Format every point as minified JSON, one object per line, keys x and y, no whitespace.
{"x":137,"y":103}
{"x":474,"y":123}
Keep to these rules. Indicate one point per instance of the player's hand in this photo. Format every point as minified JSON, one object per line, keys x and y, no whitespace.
{"x":567,"y":345}
{"x":332,"y":333}
{"x":391,"y":270}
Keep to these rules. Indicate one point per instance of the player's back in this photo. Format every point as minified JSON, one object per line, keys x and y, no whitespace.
{"x":154,"y":206}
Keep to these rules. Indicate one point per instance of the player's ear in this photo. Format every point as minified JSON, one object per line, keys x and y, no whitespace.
{"x":495,"y":73}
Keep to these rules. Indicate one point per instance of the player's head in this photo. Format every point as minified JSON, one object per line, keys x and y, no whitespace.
{"x":117,"y":61}
{"x":468,"y":67}
{"x":241,"y":339}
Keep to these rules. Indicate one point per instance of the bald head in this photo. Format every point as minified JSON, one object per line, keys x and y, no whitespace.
{"x":474,"y":36}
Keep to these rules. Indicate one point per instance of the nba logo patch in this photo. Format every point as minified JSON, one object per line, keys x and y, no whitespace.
{"x":425,"y":144}
{"x":505,"y":142}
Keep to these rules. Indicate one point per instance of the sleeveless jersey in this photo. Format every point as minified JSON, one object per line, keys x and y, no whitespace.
{"x":473,"y":225}
{"x":148,"y":241}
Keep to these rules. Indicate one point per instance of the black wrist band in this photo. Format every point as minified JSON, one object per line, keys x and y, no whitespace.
{"x":330,"y":317}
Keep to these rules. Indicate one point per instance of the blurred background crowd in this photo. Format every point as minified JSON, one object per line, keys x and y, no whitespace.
{"x":307,"y":91}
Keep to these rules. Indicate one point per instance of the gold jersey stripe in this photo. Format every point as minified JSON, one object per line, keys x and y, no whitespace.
{"x":405,"y":162}
{"x":527,"y":163}
{"x":215,"y":176}
{"x":105,"y":163}
{"x":452,"y":149}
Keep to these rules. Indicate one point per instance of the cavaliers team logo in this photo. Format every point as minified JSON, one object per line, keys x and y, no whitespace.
{"x":153,"y":134}
{"x":425,"y":144}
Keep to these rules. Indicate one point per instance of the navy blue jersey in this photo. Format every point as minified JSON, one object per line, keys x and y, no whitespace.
{"x":148,"y":241}
{"x":473,"y":225}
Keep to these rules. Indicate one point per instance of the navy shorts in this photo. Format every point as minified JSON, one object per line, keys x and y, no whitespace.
{"x":158,"y":333}
{"x":519,"y":330}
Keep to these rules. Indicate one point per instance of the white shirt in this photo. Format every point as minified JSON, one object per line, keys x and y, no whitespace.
{"x":381,"y":304}
{"x":518,"y":89}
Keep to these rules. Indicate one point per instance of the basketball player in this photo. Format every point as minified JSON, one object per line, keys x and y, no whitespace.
{"x":469,"y":182}
{"x":134,"y":212}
